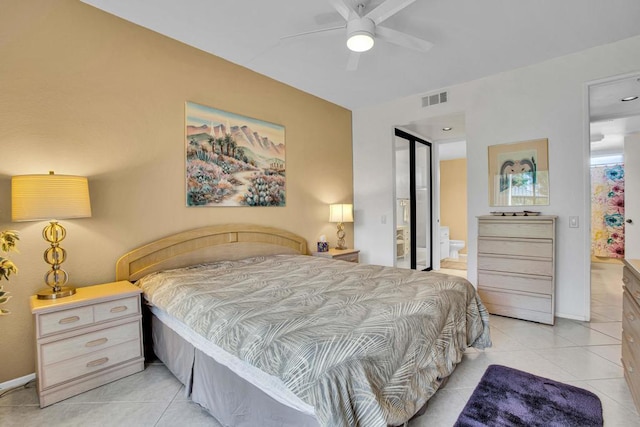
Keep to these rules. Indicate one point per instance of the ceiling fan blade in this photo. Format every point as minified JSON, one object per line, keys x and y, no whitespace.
{"x":387,"y":9}
{"x":325,"y":31}
{"x":352,"y":62}
{"x":403,"y":39}
{"x":344,"y":8}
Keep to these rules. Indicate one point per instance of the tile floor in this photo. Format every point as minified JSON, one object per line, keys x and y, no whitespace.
{"x":584,"y":354}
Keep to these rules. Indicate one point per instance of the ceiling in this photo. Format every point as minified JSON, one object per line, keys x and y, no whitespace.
{"x":611,"y":118}
{"x":471,"y":39}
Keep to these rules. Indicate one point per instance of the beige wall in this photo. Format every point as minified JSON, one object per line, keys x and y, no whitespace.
{"x":453,"y":198}
{"x":85,"y":93}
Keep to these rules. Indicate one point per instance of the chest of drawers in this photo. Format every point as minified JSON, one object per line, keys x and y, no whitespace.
{"x":86,"y":340}
{"x":516,"y":266}
{"x":631,"y":327}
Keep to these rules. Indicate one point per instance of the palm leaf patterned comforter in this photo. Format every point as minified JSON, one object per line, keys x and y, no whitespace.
{"x":365,"y":345}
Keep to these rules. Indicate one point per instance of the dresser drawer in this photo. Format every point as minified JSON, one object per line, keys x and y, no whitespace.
{"x":537,"y":248}
{"x":60,"y":321}
{"x":631,"y":283}
{"x":347,"y":257}
{"x":516,"y":228}
{"x":507,"y":264}
{"x":88,"y":343}
{"x":631,"y":312}
{"x":73,"y":368}
{"x":632,"y":377}
{"x":525,"y":301}
{"x":506,"y":281}
{"x":115,"y":309}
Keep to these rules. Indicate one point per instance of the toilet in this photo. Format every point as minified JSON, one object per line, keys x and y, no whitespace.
{"x":444,"y":242}
{"x":454,"y":247}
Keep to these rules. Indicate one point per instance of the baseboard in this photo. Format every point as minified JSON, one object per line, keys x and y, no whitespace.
{"x":17,"y":382}
{"x":571,"y":317}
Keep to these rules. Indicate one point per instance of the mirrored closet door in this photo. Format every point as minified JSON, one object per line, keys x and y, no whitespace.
{"x":413,"y":202}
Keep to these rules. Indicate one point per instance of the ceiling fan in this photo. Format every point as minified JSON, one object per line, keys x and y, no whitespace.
{"x":362,"y":28}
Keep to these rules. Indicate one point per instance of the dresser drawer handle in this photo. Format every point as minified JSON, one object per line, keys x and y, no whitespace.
{"x":96,"y":342}
{"x":630,"y":317}
{"x":119,"y":309}
{"x":630,"y":339}
{"x":97,"y":362}
{"x":67,"y":320}
{"x":625,"y":280}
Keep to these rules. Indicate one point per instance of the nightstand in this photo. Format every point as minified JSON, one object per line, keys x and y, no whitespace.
{"x":350,"y":255}
{"x":87,"y":340}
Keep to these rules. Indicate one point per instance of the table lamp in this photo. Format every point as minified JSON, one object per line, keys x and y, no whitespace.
{"x":45,"y":197}
{"x":341,"y":213}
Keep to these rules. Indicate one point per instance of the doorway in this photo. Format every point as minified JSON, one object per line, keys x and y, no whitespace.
{"x":614,"y":118}
{"x":414,"y":210}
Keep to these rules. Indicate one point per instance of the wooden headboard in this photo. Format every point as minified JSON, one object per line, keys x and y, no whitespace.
{"x":208,"y":244}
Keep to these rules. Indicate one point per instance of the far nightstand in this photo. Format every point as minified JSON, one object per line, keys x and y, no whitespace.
{"x":350,"y":255}
{"x":87,"y":340}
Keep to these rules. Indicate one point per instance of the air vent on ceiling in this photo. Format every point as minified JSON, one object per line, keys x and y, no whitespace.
{"x":436,"y":98}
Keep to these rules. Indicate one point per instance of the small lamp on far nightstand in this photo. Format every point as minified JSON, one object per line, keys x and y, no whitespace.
{"x":44,"y":197}
{"x":341,"y":213}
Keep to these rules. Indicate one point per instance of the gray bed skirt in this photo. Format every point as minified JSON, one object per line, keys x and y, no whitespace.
{"x":231,"y":400}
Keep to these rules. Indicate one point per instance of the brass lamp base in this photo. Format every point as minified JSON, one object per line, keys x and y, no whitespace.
{"x":50,"y":293}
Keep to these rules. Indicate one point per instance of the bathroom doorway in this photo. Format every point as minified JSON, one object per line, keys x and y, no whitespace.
{"x":414,"y":208}
{"x":447,"y":133}
{"x":453,"y":205}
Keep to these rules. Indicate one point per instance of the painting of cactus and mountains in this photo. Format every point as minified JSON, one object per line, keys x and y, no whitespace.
{"x":232,"y":160}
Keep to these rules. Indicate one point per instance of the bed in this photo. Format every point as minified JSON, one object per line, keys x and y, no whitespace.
{"x":262,"y":334}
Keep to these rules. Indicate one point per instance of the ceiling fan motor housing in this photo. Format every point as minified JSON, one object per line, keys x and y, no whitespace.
{"x":360,"y":34}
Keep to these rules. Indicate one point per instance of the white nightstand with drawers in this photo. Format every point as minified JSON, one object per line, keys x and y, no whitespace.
{"x":87,"y":340}
{"x":350,"y":255}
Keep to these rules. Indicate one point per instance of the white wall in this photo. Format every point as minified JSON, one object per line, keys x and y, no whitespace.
{"x":546,"y":100}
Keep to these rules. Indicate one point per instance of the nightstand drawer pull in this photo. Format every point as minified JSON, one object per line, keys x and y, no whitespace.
{"x":118,"y":309}
{"x":630,"y":368}
{"x":67,"y":320}
{"x":630,"y":317}
{"x":96,"y":342}
{"x":630,"y":339}
{"x":97,"y":362}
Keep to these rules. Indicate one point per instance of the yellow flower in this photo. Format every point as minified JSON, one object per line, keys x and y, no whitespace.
{"x":8,"y":240}
{"x":7,"y":267}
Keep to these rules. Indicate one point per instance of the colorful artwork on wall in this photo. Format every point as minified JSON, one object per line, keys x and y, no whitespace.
{"x":232,"y":160}
{"x":519,"y":173}
{"x":607,"y":211}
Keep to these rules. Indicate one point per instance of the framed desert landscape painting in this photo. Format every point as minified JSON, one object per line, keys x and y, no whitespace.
{"x":519,"y":173}
{"x":233,"y":160}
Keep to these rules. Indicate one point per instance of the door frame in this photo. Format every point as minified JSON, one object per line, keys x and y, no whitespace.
{"x":587,"y":174}
{"x":413,"y":139}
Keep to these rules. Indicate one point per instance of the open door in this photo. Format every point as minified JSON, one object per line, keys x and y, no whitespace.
{"x":632,"y":196}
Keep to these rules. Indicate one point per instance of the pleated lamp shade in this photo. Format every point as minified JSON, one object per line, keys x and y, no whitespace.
{"x":341,"y":213}
{"x":47,"y":197}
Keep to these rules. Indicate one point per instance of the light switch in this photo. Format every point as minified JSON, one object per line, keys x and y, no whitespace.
{"x":573,"y":222}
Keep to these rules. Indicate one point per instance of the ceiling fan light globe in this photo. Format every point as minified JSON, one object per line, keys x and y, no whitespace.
{"x":360,"y":42}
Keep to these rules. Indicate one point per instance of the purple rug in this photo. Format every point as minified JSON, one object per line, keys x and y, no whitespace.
{"x":508,"y":397}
